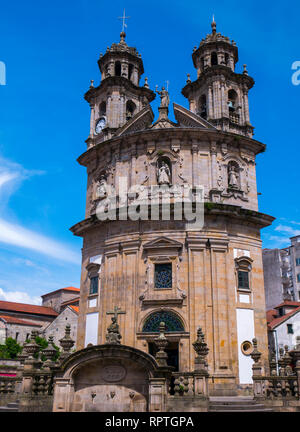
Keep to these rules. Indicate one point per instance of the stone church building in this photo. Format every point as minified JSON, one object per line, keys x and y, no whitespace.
{"x":140,"y":272}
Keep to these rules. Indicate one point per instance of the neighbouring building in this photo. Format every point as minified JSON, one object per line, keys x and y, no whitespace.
{"x":283,"y":326}
{"x":282,"y":273}
{"x":58,"y":308}
{"x":144,"y":271}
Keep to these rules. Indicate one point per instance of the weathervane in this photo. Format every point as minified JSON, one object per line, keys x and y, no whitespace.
{"x":124,"y":17}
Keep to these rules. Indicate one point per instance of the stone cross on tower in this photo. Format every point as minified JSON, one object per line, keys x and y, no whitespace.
{"x":123,"y":18}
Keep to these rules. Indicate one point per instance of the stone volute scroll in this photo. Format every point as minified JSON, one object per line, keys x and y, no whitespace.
{"x":113,"y":335}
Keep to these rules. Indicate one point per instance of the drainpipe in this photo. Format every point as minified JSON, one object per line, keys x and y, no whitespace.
{"x":276,"y":349}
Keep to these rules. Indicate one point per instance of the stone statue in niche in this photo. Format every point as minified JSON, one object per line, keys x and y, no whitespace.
{"x":102,"y":187}
{"x":233,"y":176}
{"x":163,"y":174}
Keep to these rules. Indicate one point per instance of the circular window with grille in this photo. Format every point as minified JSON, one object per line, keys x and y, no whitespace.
{"x":246,"y":348}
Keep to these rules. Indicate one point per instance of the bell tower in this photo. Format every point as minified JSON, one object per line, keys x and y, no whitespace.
{"x":220,"y":94}
{"x":119,"y":97}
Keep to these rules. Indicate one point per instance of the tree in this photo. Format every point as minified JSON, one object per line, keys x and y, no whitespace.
{"x":10,"y":349}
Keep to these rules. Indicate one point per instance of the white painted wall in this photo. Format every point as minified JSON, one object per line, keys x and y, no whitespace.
{"x":245,"y":332}
{"x":91,"y":328}
{"x":282,"y":337}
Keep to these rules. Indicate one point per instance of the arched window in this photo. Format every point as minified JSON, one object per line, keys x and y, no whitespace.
{"x":243,"y":267}
{"x":214,"y":59}
{"x":171,"y":320}
{"x":130,"y":70}
{"x":102,"y":109}
{"x":130,"y":109}
{"x":202,"y":64}
{"x":202,"y":107}
{"x":226,"y":59}
{"x":233,"y":175}
{"x":232,"y":100}
{"x":118,"y":68}
{"x":164,"y":170}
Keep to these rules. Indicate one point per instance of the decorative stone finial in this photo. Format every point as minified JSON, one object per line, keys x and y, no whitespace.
{"x":245,"y":72}
{"x":161,"y":342}
{"x":214,"y":25}
{"x":255,"y":355}
{"x":49,"y":352}
{"x":122,"y":37}
{"x":66,"y":342}
{"x":31,"y":347}
{"x":188,"y":78}
{"x":201,"y":348}
{"x":92,"y":84}
{"x":146,"y":83}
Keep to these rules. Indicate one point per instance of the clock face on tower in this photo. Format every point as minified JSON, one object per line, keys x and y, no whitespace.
{"x":100,"y":125}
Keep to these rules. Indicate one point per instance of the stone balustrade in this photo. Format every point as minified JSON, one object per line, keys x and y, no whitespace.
{"x":280,"y":386}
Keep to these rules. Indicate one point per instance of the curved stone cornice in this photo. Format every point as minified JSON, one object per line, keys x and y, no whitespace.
{"x":119,"y":81}
{"x":94,"y":353}
{"x":182,"y":134}
{"x":210,"y":45}
{"x":211,"y":72}
{"x":232,"y":212}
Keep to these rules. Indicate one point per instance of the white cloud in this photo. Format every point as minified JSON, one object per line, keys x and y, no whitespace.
{"x":288,"y":230}
{"x":19,"y":297}
{"x":11,"y":174}
{"x":18,"y":236}
{"x":6,"y":177}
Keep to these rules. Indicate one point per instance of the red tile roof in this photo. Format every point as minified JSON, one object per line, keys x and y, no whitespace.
{"x":275,"y":322}
{"x":288,"y":303}
{"x":68,"y":302}
{"x":75,"y":308}
{"x":271,"y":314}
{"x":13,"y":320}
{"x":63,"y":289}
{"x":27,"y":308}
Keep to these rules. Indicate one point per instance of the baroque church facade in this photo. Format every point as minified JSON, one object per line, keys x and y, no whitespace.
{"x":139,"y":272}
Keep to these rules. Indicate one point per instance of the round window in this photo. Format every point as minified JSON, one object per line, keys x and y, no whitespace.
{"x":246,"y":348}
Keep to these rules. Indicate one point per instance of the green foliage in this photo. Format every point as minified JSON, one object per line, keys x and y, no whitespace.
{"x":10,"y":349}
{"x":209,"y":205}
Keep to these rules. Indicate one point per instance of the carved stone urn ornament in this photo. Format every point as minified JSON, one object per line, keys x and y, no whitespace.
{"x":201,"y":348}
{"x":161,"y":342}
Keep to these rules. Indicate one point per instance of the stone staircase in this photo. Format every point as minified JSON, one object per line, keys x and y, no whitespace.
{"x":10,"y":407}
{"x":235,"y":404}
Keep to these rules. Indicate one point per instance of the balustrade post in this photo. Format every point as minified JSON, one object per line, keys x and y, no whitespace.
{"x":258,"y":387}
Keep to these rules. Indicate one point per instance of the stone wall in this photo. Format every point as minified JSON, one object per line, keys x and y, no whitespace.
{"x":57,"y":327}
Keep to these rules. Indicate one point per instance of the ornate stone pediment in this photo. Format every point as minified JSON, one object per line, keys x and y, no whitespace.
{"x":162,"y":243}
{"x":141,"y":121}
{"x":186,"y":118}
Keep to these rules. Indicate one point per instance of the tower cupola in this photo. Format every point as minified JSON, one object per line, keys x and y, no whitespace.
{"x":121,"y":60}
{"x":119,"y":97}
{"x":215,"y":50}
{"x":220,"y":94}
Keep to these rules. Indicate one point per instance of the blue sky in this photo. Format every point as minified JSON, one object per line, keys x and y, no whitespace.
{"x":50,"y":50}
